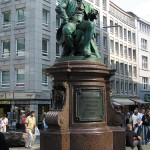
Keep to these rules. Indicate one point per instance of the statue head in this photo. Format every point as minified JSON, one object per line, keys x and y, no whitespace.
{"x":79,"y":1}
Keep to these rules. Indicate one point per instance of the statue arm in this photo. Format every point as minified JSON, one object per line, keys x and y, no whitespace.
{"x":61,"y":10}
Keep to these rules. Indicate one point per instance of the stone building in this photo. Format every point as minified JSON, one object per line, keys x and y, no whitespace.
{"x":27,"y":47}
{"x":123,"y":55}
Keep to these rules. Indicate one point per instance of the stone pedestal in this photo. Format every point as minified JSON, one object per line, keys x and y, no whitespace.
{"x":82,"y":117}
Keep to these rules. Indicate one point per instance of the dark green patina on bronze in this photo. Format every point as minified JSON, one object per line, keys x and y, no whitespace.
{"x":89,"y":104}
{"x":76,"y":33}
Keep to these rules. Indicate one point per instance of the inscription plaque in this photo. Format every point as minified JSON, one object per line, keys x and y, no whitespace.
{"x":89,"y":104}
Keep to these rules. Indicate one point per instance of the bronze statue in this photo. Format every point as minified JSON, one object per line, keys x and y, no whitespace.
{"x":76,"y":33}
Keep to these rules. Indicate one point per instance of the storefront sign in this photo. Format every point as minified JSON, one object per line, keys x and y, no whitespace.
{"x":24,"y":95}
{"x":4,"y":102}
{"x":147,"y":97}
{"x":89,"y":104}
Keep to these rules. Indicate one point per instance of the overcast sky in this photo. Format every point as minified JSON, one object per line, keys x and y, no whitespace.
{"x":139,"y":7}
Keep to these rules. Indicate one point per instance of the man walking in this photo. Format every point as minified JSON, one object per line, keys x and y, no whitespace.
{"x":30,"y":125}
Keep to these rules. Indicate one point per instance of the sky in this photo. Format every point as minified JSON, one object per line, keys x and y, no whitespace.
{"x":140,"y":7}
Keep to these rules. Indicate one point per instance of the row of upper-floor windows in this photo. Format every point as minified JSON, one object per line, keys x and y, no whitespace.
{"x":20,"y":47}
{"x":123,"y":33}
{"x":21,"y":17}
{"x":144,"y":28}
{"x":19,"y":78}
{"x":123,"y":51}
{"x":124,"y":69}
{"x":124,"y":87}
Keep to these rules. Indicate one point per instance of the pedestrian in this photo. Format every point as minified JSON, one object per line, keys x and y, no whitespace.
{"x":23,"y":120}
{"x":3,"y":144}
{"x":30,"y":125}
{"x":140,"y":122}
{"x":132,"y":139}
{"x":135,"y":121}
{"x":44,"y":126}
{"x":146,"y":124}
{"x":127,"y":119}
{"x":4,"y":123}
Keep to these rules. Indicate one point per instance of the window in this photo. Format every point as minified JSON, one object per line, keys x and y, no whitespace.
{"x":5,"y":1}
{"x":144,"y":62}
{"x":58,"y":21}
{"x":129,"y":36}
{"x":125,"y":51}
{"x":125,"y":34}
{"x":126,"y":87}
{"x":145,"y":83}
{"x":112,"y":46}
{"x":143,"y":44}
{"x":97,"y":20}
{"x":112,"y":64}
{"x":121,"y":69}
{"x":117,"y":48}
{"x":20,"y":44}
{"x":106,"y":60}
{"x":130,"y":71}
{"x":105,"y":42}
{"x":57,"y":50}
{"x":20,"y":77}
{"x":121,"y":50}
{"x":104,"y":5}
{"x":117,"y":87}
{"x":133,"y":38}
{"x":21,"y":16}
{"x":121,"y":32}
{"x":130,"y":88}
{"x":97,"y":2}
{"x":135,"y":89}
{"x":116,"y":29}
{"x":129,"y":53}
{"x":6,"y":19}
{"x":44,"y":79}
{"x":122,"y":87}
{"x":134,"y":71}
{"x":44,"y":47}
{"x":6,"y":49}
{"x":97,"y":39}
{"x":111,"y":28}
{"x":104,"y":21}
{"x":5,"y":78}
{"x":117,"y":67}
{"x":126,"y":69}
{"x":45,"y":17}
{"x":134,"y":55}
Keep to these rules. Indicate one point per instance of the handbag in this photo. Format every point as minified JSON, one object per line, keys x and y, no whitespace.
{"x":37,"y":132}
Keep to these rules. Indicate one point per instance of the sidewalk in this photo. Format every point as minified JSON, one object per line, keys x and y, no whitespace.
{"x":35,"y":147}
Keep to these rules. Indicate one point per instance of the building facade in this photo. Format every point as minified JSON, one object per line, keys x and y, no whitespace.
{"x":123,"y":54}
{"x":27,"y":47}
{"x":143,"y":29}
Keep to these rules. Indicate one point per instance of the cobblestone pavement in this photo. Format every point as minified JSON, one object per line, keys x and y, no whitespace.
{"x":37,"y":147}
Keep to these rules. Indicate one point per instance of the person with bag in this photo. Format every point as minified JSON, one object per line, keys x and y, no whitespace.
{"x":30,"y":125}
{"x":146,"y":124}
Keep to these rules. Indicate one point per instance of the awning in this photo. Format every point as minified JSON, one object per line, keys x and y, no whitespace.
{"x":115,"y":104}
{"x":139,"y":101}
{"x":123,"y":101}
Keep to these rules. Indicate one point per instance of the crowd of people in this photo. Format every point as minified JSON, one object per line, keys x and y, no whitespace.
{"x":138,"y":128}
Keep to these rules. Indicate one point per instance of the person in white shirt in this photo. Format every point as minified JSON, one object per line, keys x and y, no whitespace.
{"x":4,"y":123}
{"x":135,"y":120}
